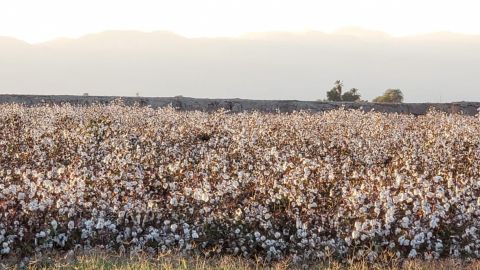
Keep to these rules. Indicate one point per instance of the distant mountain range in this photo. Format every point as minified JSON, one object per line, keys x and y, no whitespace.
{"x":277,"y":65}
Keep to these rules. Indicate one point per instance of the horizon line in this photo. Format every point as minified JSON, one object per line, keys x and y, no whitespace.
{"x":342,"y":31}
{"x":226,"y":99}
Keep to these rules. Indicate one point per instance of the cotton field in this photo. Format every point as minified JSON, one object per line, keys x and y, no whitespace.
{"x":340,"y":184}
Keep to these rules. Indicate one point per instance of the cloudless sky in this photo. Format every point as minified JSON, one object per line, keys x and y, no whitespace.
{"x":41,"y":20}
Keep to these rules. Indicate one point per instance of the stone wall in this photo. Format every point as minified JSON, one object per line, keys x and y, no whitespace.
{"x":240,"y":105}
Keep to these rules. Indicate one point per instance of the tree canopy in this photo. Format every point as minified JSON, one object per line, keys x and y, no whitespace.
{"x":390,"y":96}
{"x":335,"y":94}
{"x":352,"y":96}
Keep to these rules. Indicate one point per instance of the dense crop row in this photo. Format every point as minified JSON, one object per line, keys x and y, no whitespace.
{"x":342,"y":183}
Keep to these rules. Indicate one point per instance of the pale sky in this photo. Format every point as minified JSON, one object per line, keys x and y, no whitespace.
{"x":41,"y":20}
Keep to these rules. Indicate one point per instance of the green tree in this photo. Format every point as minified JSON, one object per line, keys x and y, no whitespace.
{"x":351,"y":96}
{"x":335,"y":94}
{"x":390,"y":96}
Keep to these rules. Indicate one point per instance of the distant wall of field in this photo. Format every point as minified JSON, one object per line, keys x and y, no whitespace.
{"x":240,"y":105}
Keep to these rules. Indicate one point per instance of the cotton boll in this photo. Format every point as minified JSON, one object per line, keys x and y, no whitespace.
{"x":71,"y":225}
{"x":21,"y":196}
{"x":412,"y":254}
{"x":5,"y":248}
{"x":54,"y":224}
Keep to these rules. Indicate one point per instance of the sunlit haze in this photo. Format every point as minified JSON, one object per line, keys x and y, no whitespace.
{"x":270,"y":49}
{"x":37,"y":21}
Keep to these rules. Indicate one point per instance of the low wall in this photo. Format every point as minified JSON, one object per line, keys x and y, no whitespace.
{"x":240,"y":105}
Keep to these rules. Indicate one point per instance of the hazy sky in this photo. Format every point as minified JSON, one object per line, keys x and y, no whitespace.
{"x":271,"y":65}
{"x":41,"y":20}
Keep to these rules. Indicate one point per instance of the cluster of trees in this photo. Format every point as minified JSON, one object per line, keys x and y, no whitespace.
{"x":353,"y":95}
{"x":336,"y":93}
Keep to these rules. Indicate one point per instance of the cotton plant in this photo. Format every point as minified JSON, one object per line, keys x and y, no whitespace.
{"x":311,"y":186}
